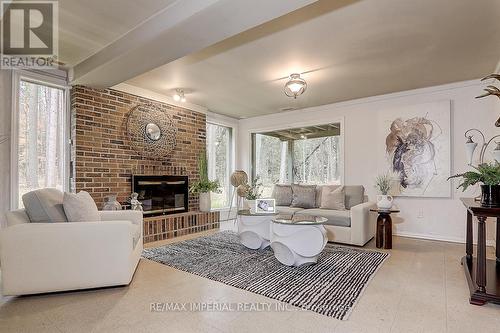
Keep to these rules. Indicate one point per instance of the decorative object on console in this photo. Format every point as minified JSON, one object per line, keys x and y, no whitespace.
{"x":204,"y":186}
{"x":489,"y":175}
{"x":295,"y":86}
{"x":134,"y":203}
{"x":491,"y":90}
{"x":416,"y":142}
{"x":151,"y":131}
{"x":111,"y":203}
{"x":383,"y":184}
{"x":252,"y":192}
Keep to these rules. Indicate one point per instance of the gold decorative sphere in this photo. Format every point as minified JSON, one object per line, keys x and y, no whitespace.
{"x":242,"y":190}
{"x":239,"y":177}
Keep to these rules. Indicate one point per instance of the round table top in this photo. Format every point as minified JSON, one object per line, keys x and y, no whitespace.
{"x":246,"y":212}
{"x":385,"y":211}
{"x":299,"y":219}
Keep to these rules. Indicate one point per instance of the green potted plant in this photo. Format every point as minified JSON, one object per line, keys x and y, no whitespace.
{"x":253,"y":192}
{"x":489,"y":175}
{"x":204,"y":186}
{"x":383,"y":184}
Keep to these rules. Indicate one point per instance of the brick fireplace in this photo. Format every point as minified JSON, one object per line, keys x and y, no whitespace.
{"x":104,"y":162}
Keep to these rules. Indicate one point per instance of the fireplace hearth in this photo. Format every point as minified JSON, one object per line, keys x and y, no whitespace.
{"x":161,"y":195}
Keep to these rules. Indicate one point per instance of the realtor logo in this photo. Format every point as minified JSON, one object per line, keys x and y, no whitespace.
{"x":29,"y":34}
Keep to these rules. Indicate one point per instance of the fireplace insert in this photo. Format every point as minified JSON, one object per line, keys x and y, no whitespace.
{"x":161,"y":195}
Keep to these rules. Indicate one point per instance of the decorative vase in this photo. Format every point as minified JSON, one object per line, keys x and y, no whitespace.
{"x":205,"y":202}
{"x":490,"y":196}
{"x":111,"y":203}
{"x":384,"y":202}
{"x":250,"y":205}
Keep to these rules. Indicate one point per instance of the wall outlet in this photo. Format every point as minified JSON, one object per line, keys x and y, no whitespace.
{"x":420,"y":214}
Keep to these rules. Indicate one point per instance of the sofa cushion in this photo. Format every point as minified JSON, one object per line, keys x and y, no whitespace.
{"x":333,"y":198}
{"x":282,"y":194}
{"x":303,"y":196}
{"x":80,"y":207}
{"x":45,"y":205}
{"x":340,"y":218}
{"x":286,"y":210}
{"x":354,"y":195}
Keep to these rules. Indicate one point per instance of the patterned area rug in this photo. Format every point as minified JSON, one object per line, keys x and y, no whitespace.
{"x":331,"y":287}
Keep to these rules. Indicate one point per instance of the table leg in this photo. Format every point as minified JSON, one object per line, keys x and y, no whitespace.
{"x":468,"y":237}
{"x":481,"y":254}
{"x":497,"y":245}
{"x":388,"y":232}
{"x":379,"y":241}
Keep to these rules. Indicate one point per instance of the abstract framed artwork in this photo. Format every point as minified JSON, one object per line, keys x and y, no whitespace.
{"x":414,"y":145}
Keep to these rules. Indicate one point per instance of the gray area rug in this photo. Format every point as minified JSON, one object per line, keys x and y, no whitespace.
{"x":331,"y":287}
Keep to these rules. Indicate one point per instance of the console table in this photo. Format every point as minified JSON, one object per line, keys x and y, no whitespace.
{"x":483,"y":275}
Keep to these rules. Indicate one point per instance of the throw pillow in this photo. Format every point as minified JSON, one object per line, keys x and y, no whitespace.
{"x":354,"y":195}
{"x":303,"y":196}
{"x":333,"y":197}
{"x":44,"y":205}
{"x":282,"y":194}
{"x":80,"y":207}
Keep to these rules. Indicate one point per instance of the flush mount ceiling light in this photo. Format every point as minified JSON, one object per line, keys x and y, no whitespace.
{"x":179,"y":96}
{"x":295,"y":86}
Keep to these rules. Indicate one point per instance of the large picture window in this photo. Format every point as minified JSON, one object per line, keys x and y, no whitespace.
{"x":219,"y":139}
{"x":41,"y":141}
{"x":306,"y":155}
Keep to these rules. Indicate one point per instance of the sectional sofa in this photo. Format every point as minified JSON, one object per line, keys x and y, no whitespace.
{"x":352,"y":224}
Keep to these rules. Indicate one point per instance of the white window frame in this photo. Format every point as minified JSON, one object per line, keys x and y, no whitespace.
{"x":47,"y":80}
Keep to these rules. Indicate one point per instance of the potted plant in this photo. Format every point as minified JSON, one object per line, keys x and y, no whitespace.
{"x":383,"y":184}
{"x":204,"y":186}
{"x":489,"y":175}
{"x":253,"y":192}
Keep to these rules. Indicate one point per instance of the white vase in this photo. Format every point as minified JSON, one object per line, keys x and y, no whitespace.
{"x":205,"y":202}
{"x":384,"y":202}
{"x":250,"y":205}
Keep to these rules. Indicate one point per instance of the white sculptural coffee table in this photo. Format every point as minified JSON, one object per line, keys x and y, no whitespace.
{"x":299,"y":239}
{"x":254,"y":229}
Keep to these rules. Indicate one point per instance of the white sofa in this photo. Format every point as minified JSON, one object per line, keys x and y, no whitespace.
{"x":354,"y":226}
{"x":49,"y":257}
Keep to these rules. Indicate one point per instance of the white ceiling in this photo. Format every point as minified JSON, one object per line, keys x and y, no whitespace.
{"x":86,"y":26}
{"x":348,"y":49}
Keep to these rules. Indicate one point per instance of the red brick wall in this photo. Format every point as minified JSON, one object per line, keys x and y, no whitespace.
{"x":104,"y":161}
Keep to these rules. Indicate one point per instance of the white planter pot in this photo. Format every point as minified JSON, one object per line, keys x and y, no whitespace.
{"x":384,"y":202}
{"x":205,"y":202}
{"x":250,"y":205}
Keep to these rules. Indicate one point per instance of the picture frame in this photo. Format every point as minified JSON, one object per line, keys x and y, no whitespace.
{"x":265,"y":206}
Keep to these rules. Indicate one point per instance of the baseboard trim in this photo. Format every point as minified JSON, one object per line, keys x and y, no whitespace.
{"x":489,"y":242}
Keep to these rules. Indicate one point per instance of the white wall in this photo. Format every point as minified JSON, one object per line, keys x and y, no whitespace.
{"x":442,"y":219}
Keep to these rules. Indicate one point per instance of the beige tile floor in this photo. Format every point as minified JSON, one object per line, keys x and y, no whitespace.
{"x":420,"y":288}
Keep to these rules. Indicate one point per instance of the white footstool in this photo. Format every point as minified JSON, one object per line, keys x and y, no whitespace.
{"x":254,"y":229}
{"x":298,"y":240}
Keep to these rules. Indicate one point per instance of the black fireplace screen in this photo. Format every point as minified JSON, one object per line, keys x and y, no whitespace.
{"x":161,"y":195}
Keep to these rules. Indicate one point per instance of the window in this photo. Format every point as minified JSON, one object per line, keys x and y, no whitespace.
{"x":219,"y":140}
{"x":39,"y":151}
{"x":307,"y":155}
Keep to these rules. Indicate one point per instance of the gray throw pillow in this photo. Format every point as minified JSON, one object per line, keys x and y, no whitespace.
{"x":354,"y":195}
{"x":282,"y":194}
{"x":80,"y":207}
{"x":44,"y":205}
{"x":303,"y":196}
{"x":333,"y":197}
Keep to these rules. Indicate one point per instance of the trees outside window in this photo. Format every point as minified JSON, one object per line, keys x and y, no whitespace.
{"x":219,"y":162}
{"x":41,"y":143}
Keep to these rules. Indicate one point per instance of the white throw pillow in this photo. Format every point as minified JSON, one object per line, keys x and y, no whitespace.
{"x":80,"y":207}
{"x":333,"y":197}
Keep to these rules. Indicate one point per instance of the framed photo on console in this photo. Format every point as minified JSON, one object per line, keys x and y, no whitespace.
{"x":263,"y":206}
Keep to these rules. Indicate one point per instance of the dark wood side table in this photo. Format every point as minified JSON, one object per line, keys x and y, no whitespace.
{"x":383,"y":237}
{"x":483,"y":275}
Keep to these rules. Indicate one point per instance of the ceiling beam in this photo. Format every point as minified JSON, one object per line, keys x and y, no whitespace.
{"x":184,"y":27}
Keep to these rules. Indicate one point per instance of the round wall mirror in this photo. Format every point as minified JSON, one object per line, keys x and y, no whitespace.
{"x":153,"y":132}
